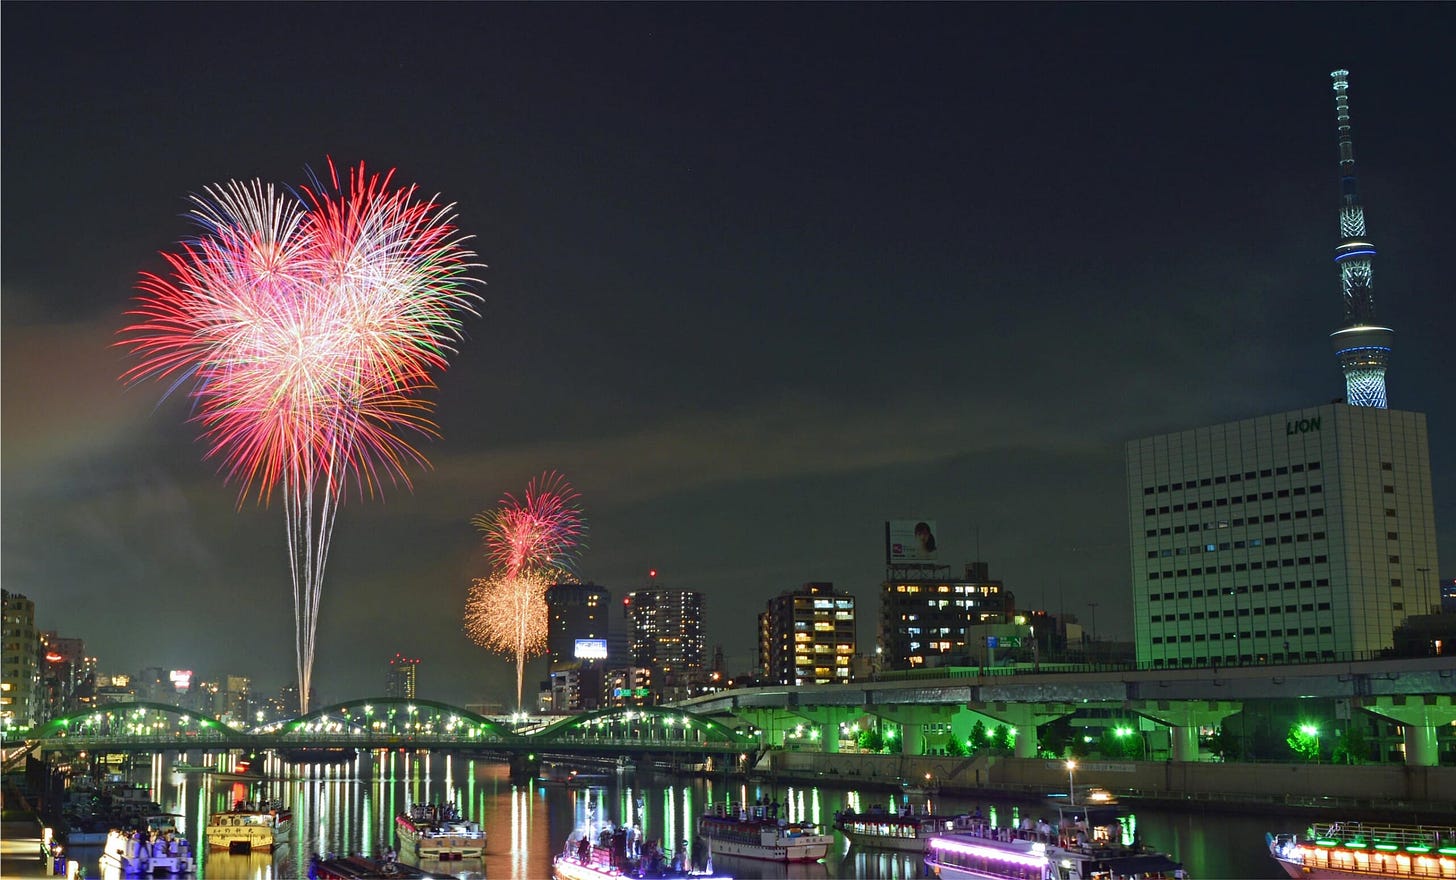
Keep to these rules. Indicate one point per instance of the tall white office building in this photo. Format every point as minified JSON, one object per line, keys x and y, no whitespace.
{"x":1297,"y":536}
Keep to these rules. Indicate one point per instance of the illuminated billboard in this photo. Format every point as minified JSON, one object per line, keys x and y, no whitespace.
{"x":181,"y":678}
{"x":910,"y":540}
{"x":591,"y":649}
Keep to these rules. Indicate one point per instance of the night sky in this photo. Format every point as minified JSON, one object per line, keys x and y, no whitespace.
{"x":760,"y":278}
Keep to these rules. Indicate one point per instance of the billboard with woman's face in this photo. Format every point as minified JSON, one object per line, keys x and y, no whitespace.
{"x":910,"y":540}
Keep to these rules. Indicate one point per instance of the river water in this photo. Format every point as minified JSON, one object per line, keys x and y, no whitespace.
{"x":350,"y":808}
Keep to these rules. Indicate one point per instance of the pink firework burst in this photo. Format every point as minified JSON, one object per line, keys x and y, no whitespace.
{"x":307,"y":324}
{"x":541,"y":532}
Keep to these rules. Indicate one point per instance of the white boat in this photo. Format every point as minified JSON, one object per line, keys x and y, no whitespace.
{"x":1085,"y":843}
{"x":162,"y":848}
{"x":904,"y":832}
{"x":1362,"y":850}
{"x":249,"y":826}
{"x":429,"y":831}
{"x":755,"y":832}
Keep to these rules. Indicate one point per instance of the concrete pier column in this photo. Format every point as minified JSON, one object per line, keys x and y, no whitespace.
{"x":829,"y":737}
{"x":827,"y":720}
{"x":912,"y":720}
{"x":1420,"y":744}
{"x":1184,"y":718}
{"x":1419,"y":715}
{"x":1026,"y":740}
{"x":912,"y":738}
{"x":1024,"y":718}
{"x":1185,"y":743}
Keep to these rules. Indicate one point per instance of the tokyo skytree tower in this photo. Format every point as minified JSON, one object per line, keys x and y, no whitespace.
{"x":1362,"y":345}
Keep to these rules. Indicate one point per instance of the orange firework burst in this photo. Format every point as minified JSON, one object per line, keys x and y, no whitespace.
{"x":506,"y":613}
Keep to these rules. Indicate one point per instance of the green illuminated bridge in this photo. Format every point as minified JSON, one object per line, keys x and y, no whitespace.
{"x":388,"y":723}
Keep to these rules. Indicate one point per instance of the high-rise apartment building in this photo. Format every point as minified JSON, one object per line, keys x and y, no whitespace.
{"x":925,"y":613}
{"x":402,"y":679}
{"x":236,"y":698}
{"x":577,"y":612}
{"x":19,"y":661}
{"x":1302,"y":535}
{"x":807,"y":636}
{"x":578,"y":646}
{"x":65,"y":674}
{"x":665,"y":635}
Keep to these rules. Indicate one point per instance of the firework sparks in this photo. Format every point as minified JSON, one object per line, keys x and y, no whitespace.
{"x":532,"y":543}
{"x":506,"y":613}
{"x":543,"y":531}
{"x":307,"y":324}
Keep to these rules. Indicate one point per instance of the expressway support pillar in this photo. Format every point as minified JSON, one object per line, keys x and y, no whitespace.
{"x":829,"y":721}
{"x":1184,"y":718}
{"x":912,"y":721}
{"x":1419,"y":716}
{"x":1024,"y":718}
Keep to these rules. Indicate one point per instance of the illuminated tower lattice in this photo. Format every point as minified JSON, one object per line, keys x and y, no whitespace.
{"x":1362,"y":345}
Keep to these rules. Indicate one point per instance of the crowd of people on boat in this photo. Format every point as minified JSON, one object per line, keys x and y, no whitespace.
{"x":139,"y":849}
{"x":434,"y":814}
{"x":1069,"y":833}
{"x":624,"y":850}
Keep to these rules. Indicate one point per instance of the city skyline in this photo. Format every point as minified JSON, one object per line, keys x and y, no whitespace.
{"x":760,"y":279}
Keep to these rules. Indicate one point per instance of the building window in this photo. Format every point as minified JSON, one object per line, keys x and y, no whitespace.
{"x":1385,"y":466}
{"x":1392,"y":536}
{"x":1395,"y":559}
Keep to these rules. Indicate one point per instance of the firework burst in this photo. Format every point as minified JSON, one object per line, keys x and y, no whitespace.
{"x":308,"y":322}
{"x":506,"y":613}
{"x":532,"y":543}
{"x":541,"y":532}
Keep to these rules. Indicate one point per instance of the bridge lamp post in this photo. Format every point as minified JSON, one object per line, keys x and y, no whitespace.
{"x":1071,"y":788}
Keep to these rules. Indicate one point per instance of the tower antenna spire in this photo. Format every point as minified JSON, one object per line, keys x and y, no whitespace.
{"x":1362,"y":346}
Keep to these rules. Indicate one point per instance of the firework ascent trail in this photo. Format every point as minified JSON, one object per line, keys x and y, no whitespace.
{"x":307,"y":323}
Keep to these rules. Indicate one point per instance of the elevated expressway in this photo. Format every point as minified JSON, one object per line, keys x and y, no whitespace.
{"x":1415,"y":692}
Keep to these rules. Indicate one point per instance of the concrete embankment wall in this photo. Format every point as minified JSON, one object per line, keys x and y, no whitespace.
{"x":1391,"y":786}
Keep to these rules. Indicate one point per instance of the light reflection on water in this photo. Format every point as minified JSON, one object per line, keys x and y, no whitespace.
{"x":350,"y":808}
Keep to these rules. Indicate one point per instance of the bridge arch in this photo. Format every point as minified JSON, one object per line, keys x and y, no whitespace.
{"x":135,"y":722}
{"x":647,"y":725}
{"x":390,"y":717}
